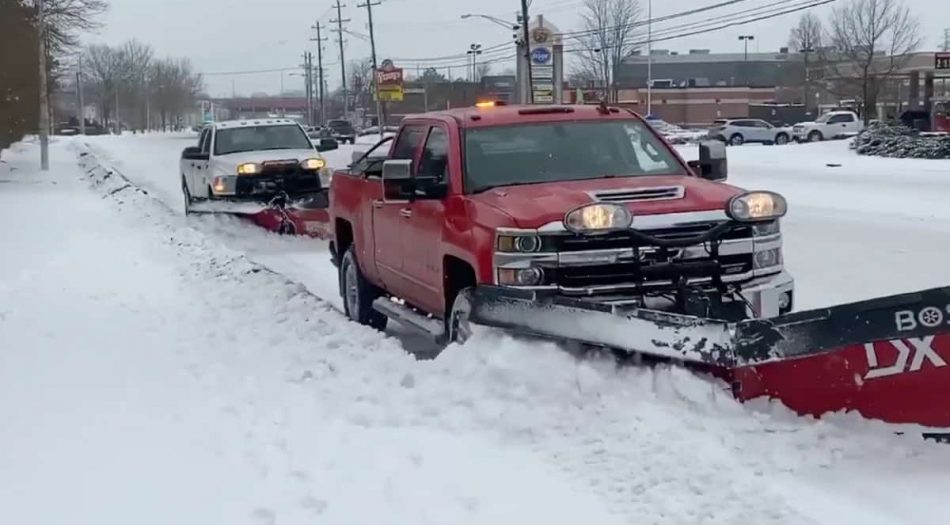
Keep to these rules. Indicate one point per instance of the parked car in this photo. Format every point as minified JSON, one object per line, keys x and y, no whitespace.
{"x":737,"y":132}
{"x":832,"y":125}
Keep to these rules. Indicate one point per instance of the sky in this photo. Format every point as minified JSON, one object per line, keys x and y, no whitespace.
{"x":263,"y":36}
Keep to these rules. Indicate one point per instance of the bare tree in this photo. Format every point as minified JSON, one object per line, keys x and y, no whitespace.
{"x":806,"y":38}
{"x":67,"y":19}
{"x":174,"y":88}
{"x":608,"y":39}
{"x":482,"y":70}
{"x":871,"y":39}
{"x":807,"y":34}
{"x":103,"y":65}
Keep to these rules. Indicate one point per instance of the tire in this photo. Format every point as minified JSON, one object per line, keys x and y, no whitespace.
{"x":187,"y":196}
{"x":458,"y":329}
{"x":736,"y":140}
{"x":781,"y":139}
{"x":358,"y":293}
{"x":815,"y":136}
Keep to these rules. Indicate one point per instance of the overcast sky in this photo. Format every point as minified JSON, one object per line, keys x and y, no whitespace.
{"x":253,"y":35}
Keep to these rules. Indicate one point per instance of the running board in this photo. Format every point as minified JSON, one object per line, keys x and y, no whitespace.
{"x":409,"y":318}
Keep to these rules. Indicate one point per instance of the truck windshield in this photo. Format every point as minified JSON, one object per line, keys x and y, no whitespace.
{"x":563,"y":151}
{"x":257,"y":138}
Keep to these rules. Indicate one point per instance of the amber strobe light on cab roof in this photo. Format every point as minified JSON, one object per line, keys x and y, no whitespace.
{"x":489,"y":103}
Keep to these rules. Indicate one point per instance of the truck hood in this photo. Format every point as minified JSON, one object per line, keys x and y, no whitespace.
{"x":229,"y":163}
{"x":534,"y":205}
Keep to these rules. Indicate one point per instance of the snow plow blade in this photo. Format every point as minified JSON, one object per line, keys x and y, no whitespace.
{"x":678,"y":337}
{"x":295,"y":215}
{"x":885,"y":358}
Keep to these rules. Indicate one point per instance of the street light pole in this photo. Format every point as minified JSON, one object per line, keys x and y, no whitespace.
{"x":372,"y":45}
{"x":745,"y":61}
{"x":474,"y":50}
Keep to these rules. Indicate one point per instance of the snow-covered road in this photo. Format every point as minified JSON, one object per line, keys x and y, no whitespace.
{"x":151,"y":371}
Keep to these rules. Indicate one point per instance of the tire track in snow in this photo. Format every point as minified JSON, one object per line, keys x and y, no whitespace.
{"x":658,"y":446}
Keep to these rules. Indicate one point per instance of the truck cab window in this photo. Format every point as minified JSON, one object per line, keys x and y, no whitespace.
{"x":408,"y":142}
{"x":435,"y":156}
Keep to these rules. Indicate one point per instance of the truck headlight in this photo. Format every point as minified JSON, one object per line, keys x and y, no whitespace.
{"x":598,"y":219}
{"x":756,"y":206}
{"x":249,"y":168}
{"x":520,"y":276}
{"x":767,"y":258}
{"x":518,"y":243}
{"x":313,"y":164}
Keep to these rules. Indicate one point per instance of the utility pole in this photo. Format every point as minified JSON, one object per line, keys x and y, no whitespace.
{"x":372,"y":46}
{"x":650,"y":58}
{"x":82,"y":103}
{"x":308,"y":84}
{"x":946,"y":40}
{"x":339,"y":30}
{"x":527,"y":49}
{"x":44,"y":101}
{"x":319,"y":40}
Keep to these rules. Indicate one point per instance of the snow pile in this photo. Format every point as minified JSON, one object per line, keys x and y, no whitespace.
{"x":335,"y":421}
{"x":901,"y":142}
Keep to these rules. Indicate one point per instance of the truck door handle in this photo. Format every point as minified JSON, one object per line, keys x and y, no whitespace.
{"x":377,"y":203}
{"x":406,"y":212}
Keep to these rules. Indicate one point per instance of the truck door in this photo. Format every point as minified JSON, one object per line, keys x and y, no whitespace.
{"x":201,"y":169}
{"x":422,"y":236}
{"x":189,"y":166}
{"x":390,"y":216}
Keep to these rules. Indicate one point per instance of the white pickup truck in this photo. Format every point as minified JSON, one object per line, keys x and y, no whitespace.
{"x":244,"y":165}
{"x":832,"y":125}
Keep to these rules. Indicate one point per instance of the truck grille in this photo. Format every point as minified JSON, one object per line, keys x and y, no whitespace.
{"x":572,"y":243}
{"x":648,"y":272}
{"x":640,"y":194}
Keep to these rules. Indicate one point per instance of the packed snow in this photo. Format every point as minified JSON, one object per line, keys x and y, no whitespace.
{"x":162,"y":369}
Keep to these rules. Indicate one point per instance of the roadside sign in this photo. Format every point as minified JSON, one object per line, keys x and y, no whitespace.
{"x":541,"y":55}
{"x":942,"y":61}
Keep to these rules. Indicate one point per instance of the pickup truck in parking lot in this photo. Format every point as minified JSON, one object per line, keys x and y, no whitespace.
{"x":580,"y":203}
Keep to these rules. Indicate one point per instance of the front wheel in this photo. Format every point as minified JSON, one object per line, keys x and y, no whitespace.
{"x":781,"y":139}
{"x":815,"y":136}
{"x":458,"y":326}
{"x":187,"y":196}
{"x":359,"y":294}
{"x":736,"y":140}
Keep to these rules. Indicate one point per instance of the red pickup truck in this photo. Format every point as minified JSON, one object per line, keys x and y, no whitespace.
{"x":569,"y":221}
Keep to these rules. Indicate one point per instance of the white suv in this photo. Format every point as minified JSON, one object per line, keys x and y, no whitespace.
{"x":833,"y":125}
{"x":737,"y":132}
{"x":245,"y":164}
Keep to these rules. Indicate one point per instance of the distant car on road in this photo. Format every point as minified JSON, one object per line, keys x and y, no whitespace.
{"x":737,"y":132}
{"x":343,"y":130}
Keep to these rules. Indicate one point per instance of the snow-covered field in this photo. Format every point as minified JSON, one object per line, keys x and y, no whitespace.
{"x":156,"y":369}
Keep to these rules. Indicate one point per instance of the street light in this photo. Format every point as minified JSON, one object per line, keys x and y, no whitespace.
{"x":746,"y":39}
{"x":500,"y":21}
{"x":474,"y":50}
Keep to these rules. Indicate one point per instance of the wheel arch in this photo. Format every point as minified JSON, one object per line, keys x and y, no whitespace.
{"x":457,"y":274}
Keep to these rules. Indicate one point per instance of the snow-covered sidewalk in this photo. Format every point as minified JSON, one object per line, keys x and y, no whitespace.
{"x":151,"y":375}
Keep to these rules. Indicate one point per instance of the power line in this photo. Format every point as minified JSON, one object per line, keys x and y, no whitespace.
{"x":772,"y":14}
{"x":681,"y":14}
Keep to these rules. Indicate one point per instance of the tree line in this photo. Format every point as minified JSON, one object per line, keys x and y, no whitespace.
{"x":133,"y":89}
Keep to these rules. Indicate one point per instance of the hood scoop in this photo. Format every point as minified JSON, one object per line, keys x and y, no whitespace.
{"x":661,"y":193}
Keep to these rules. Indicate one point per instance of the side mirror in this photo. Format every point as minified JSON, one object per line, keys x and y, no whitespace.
{"x":712,"y":164}
{"x":193,"y":153}
{"x":398,"y":184}
{"x":327,"y":144}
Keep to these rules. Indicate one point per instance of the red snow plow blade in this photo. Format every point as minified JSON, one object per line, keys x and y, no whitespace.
{"x":294,"y":215}
{"x":884,"y":358}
